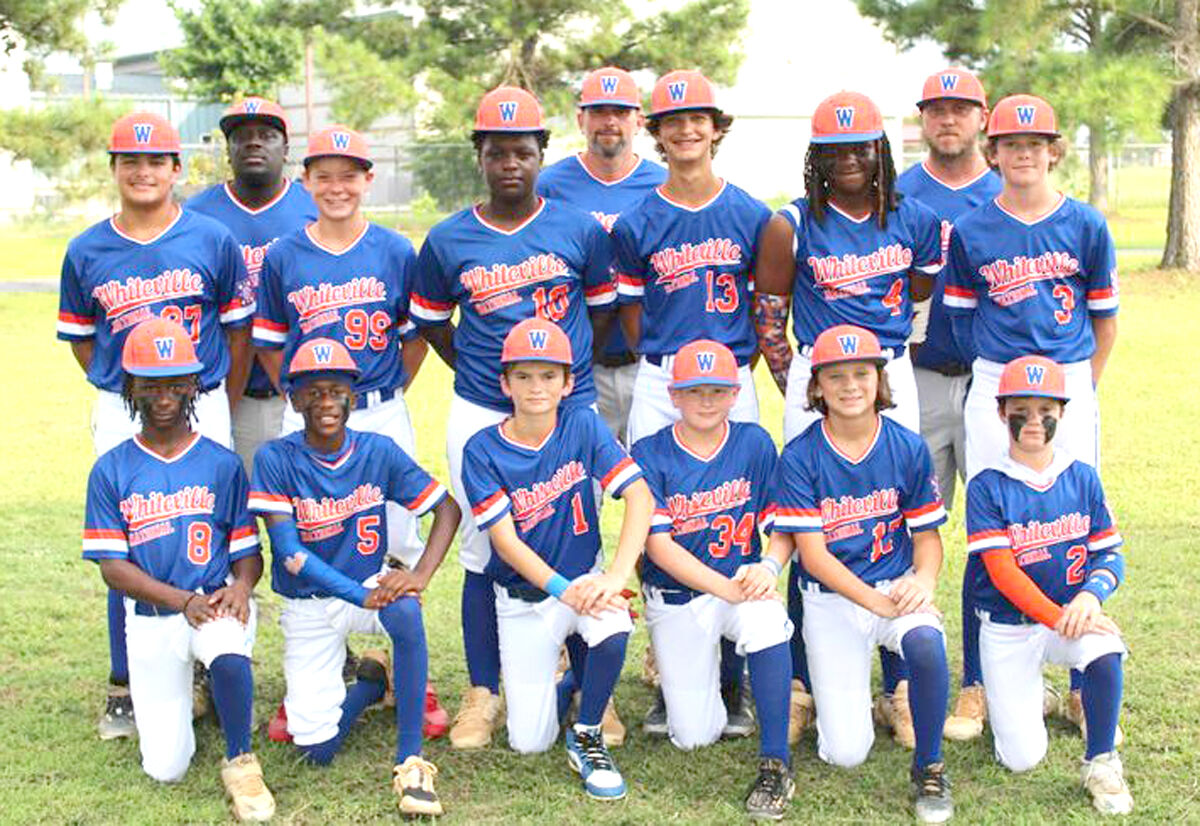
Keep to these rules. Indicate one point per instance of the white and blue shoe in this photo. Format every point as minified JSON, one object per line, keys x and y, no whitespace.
{"x":588,"y":755}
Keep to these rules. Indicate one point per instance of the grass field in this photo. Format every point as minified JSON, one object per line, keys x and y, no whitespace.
{"x":53,"y":654}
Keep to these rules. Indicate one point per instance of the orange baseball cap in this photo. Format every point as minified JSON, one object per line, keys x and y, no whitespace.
{"x":1033,"y":376}
{"x":704,"y":362}
{"x":536,"y":339}
{"x":952,"y":84}
{"x":509,"y":109}
{"x":1023,"y":115}
{"x":680,"y":90}
{"x":338,"y":141}
{"x":254,"y":108}
{"x":144,"y":133}
{"x":846,"y":117}
{"x":322,"y":355}
{"x":845,"y":342}
{"x":159,"y":347}
{"x":610,"y":86}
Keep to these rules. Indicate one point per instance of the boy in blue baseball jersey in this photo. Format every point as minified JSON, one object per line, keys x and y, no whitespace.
{"x":531,"y":481}
{"x":151,"y":259}
{"x":513,"y":257}
{"x":322,"y":493}
{"x":858,"y":498}
{"x":1039,"y":520}
{"x":684,"y":257}
{"x":258,"y":206}
{"x":167,"y":522}
{"x":705,"y":577}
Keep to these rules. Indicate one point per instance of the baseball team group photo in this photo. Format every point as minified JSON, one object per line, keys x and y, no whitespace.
{"x":530,"y":468}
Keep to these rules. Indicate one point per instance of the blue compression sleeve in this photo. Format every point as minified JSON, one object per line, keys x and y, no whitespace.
{"x":286,"y":541}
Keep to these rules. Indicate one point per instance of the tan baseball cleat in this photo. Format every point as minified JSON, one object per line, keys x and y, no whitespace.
{"x":1104,"y":778}
{"x":802,"y":712}
{"x":611,"y":726}
{"x":243,"y":779}
{"x":476,"y":719}
{"x":892,"y":712}
{"x":970,"y":713}
{"x":1072,"y":710}
{"x":412,"y":781}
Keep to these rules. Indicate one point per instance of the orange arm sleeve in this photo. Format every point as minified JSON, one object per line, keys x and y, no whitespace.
{"x":1018,"y":588}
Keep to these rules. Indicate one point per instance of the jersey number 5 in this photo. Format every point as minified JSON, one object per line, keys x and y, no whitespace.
{"x":367,"y":528}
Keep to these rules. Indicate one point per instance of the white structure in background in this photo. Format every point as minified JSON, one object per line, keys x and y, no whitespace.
{"x":16,"y":177}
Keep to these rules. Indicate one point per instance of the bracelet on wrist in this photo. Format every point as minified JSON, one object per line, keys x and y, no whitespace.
{"x":187,"y":602}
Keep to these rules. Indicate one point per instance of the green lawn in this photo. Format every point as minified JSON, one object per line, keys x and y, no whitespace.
{"x":53,"y":654}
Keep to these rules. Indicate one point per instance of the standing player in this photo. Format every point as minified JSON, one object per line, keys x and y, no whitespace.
{"x":850,"y":252}
{"x":167,"y":522}
{"x":684,"y":256}
{"x":1039,"y":520}
{"x":258,"y":206}
{"x":953,"y":179}
{"x":151,"y":259}
{"x":711,"y":480}
{"x":858,"y":497}
{"x":606,"y":179}
{"x":346,"y":278}
{"x":322,"y":493}
{"x":531,"y":481}
{"x":515,"y":256}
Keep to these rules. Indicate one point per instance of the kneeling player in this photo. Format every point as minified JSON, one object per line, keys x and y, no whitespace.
{"x":1039,"y":520}
{"x":703,"y":576}
{"x":323,"y":491}
{"x":167,"y":521}
{"x":530,"y":483}
{"x":858,"y":492}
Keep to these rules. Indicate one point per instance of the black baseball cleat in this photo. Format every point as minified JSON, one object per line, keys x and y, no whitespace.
{"x":656,"y":719}
{"x":931,"y":788}
{"x":772,"y":789}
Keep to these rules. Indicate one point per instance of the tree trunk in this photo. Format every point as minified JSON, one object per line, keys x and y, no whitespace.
{"x":1097,"y":167}
{"x":1183,"y":217}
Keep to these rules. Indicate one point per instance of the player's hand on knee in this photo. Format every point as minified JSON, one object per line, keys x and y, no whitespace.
{"x":1079,"y":615}
{"x":757,"y":581}
{"x":602,"y":592}
{"x":295,"y":563}
{"x":197,"y":610}
{"x":377,"y":598}
{"x":397,"y":583}
{"x":232,"y":601}
{"x":910,"y":596}
{"x":1104,"y":624}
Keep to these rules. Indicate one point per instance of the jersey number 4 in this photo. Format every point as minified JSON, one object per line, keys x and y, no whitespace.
{"x":730,"y":533}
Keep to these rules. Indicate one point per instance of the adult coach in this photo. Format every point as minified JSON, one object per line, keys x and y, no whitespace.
{"x":151,"y":259}
{"x":605,"y":180}
{"x":515,"y":256}
{"x":258,"y":206}
{"x":953,"y":179}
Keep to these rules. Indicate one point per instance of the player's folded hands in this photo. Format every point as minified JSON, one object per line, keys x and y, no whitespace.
{"x":593,"y":595}
{"x":377,"y":598}
{"x":1080,"y":616}
{"x":198,"y":610}
{"x":397,"y":583}
{"x":911,"y":596}
{"x":232,"y":601}
{"x":756,"y":581}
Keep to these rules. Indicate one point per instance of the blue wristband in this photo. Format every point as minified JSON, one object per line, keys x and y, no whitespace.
{"x":774,"y":565}
{"x":1100,"y":585}
{"x":556,"y":585}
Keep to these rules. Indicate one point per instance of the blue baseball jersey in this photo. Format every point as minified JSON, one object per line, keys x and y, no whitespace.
{"x":1032,"y":287}
{"x":255,"y":229}
{"x":554,"y":266}
{"x":940,"y":348}
{"x":714,"y":506}
{"x":849,"y":271}
{"x":569,"y":180}
{"x":691,"y":269}
{"x":192,"y":273}
{"x":182,"y":520}
{"x":868,"y":506}
{"x":547,"y":489}
{"x":1056,"y":523}
{"x":337,"y":500}
{"x":359,"y":296}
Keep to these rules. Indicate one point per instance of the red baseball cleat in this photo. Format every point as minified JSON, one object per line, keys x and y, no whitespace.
{"x":437,"y":721}
{"x":277,"y":731}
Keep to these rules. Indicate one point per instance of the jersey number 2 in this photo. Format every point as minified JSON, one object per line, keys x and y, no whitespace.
{"x":199,"y":543}
{"x":1078,"y":556}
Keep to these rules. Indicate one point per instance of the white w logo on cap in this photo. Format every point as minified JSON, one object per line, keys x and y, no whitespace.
{"x":608,"y":84}
{"x":164,"y":347}
{"x":677,"y":91}
{"x":508,"y":110}
{"x":706,"y":360}
{"x":251,"y":107}
{"x":1025,"y":114}
{"x":849,"y":345}
{"x":322,"y":353}
{"x":949,"y":82}
{"x":538,"y":339}
{"x":1035,"y":374}
{"x":341,"y":140}
{"x":845,"y":116}
{"x":142,"y":132}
